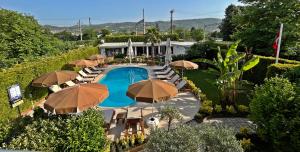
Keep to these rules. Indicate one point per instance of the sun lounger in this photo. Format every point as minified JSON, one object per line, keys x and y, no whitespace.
{"x":163,"y":72}
{"x":108,"y":118}
{"x":160,"y":68}
{"x":173,"y":79}
{"x":87,"y":75}
{"x":168,"y":76}
{"x":97,"y":69}
{"x":91,"y":72}
{"x":55,"y":88}
{"x":81,"y":79}
{"x":181,"y":84}
{"x":70,"y":83}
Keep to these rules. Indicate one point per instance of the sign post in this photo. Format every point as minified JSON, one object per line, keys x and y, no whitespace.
{"x":15,"y":96}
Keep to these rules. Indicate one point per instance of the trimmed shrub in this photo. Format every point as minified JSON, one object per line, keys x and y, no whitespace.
{"x":243,"y":109}
{"x":279,"y":69}
{"x":206,"y":110}
{"x":230,"y":109}
{"x":207,"y":103}
{"x":259,"y":72}
{"x":218,"y":108}
{"x":25,"y":72}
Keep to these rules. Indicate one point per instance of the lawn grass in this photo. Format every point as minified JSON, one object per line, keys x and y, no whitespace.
{"x":206,"y":81}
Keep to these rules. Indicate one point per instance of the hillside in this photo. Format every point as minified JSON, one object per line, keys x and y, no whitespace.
{"x":163,"y":25}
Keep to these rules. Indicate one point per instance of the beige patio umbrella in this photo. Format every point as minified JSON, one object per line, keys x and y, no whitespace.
{"x":54,"y":78}
{"x":76,"y":99}
{"x":83,"y":63}
{"x":152,"y":90}
{"x":184,"y":65}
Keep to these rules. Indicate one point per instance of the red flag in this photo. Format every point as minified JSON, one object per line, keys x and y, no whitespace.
{"x":275,"y":44}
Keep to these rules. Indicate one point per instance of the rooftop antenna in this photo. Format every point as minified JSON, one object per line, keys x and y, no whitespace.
{"x":90,"y":21}
{"x":80,"y":32}
{"x":172,"y":11}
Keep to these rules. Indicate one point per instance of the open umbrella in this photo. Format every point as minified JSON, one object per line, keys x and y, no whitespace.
{"x":184,"y":65}
{"x":130,"y":50}
{"x":83,"y":63}
{"x":152,"y":90}
{"x":76,"y":99}
{"x":54,"y":78}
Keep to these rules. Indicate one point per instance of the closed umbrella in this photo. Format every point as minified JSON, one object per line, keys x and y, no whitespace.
{"x":76,"y":99}
{"x":130,"y":50}
{"x":152,"y":90}
{"x":83,"y":63}
{"x":184,"y":65}
{"x":168,"y":55}
{"x":54,"y":78}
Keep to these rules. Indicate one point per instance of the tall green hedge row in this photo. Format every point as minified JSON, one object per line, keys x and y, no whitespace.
{"x":138,"y":38}
{"x":259,"y":72}
{"x":25,"y":72}
{"x":279,"y":69}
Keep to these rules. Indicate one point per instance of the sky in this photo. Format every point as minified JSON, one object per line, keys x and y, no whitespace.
{"x":68,"y":12}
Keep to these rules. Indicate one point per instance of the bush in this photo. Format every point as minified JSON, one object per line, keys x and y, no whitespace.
{"x":244,"y":131}
{"x":275,"y":111}
{"x":25,"y":72}
{"x":203,"y":137}
{"x":72,"y":133}
{"x":279,"y":69}
{"x":246,"y":144}
{"x":206,"y":110}
{"x":230,"y":109}
{"x":207,"y":103}
{"x":243,"y":109}
{"x":218,"y":108}
{"x":259,"y":72}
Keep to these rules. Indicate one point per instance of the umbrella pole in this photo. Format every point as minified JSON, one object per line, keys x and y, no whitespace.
{"x":152,"y":106}
{"x":182,"y":73}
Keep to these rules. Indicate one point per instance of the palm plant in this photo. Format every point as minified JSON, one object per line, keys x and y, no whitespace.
{"x":153,"y":37}
{"x":170,"y":113}
{"x":230,"y":71}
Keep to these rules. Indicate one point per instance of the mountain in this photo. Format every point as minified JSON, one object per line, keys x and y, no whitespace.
{"x":209,"y":24}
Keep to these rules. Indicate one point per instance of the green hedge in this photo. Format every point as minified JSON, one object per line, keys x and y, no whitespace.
{"x":259,"y":72}
{"x":138,"y":38}
{"x":279,"y":69}
{"x":25,"y":72}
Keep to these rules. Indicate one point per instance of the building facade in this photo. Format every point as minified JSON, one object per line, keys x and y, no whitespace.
{"x":144,"y":49}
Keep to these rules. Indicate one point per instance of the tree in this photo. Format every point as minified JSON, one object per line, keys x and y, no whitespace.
{"x":89,"y":34}
{"x":152,"y":36}
{"x":105,"y":32}
{"x":183,"y":34}
{"x":259,"y":22}
{"x":230,"y":72}
{"x":186,"y":138}
{"x":275,"y":109}
{"x":197,"y":34}
{"x":65,"y":36}
{"x":228,"y":25}
{"x":170,"y":113}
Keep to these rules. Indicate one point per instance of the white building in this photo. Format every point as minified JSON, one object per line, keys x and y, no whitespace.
{"x":141,"y":48}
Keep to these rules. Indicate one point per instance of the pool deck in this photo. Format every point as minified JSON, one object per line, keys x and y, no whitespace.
{"x":186,"y":102}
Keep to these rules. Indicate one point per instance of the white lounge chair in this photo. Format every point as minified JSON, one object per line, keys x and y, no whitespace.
{"x":97,"y":69}
{"x":87,"y":75}
{"x":173,"y":79}
{"x":91,"y":72}
{"x":55,"y":88}
{"x":160,"y":68}
{"x":181,"y":84}
{"x":168,"y":76}
{"x":163,"y":72}
{"x":70,"y":83}
{"x":81,"y":79}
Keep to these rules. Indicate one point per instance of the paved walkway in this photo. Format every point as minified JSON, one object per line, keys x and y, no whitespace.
{"x":235,"y":123}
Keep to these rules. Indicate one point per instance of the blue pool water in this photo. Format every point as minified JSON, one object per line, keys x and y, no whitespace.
{"x":117,"y":81}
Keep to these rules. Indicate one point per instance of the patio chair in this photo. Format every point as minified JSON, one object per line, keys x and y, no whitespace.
{"x":173,"y":79}
{"x":55,"y":88}
{"x":87,"y":75}
{"x":168,"y":76}
{"x":70,"y":83}
{"x":160,"y":68}
{"x":181,"y":84}
{"x":97,"y":68}
{"x":163,"y":72}
{"x":91,"y":72}
{"x":81,"y":79}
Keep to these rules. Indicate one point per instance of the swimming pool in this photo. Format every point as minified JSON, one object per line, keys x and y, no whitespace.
{"x":117,"y":81}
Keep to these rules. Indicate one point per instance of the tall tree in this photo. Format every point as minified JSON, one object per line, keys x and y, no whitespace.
{"x":260,"y":20}
{"x":170,"y":113}
{"x":197,"y":34}
{"x":153,"y":37}
{"x":228,"y":25}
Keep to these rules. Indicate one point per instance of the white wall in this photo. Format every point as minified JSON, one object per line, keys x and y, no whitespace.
{"x":177,"y":50}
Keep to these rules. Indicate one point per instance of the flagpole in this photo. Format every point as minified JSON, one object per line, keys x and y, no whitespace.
{"x":279,"y":43}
